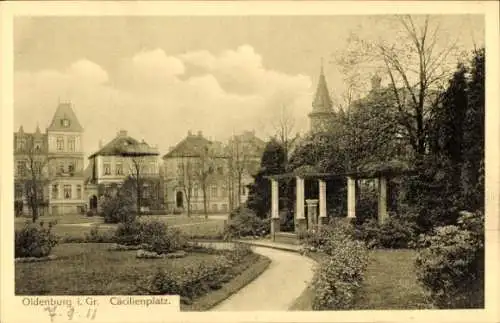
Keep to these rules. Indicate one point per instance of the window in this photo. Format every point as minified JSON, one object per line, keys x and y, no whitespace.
{"x":21,"y":168}
{"x":18,"y":193}
{"x":224,"y":207}
{"x":152,"y":167}
{"x":224,"y":191}
{"x":78,"y":191}
{"x":67,"y":192}
{"x":213,"y":191}
{"x":55,"y":191}
{"x":60,"y":143}
{"x":195,"y":191}
{"x":38,"y":167}
{"x":61,"y":167}
{"x":107,"y":168}
{"x":21,"y":144}
{"x":71,"y":167}
{"x":145,"y":191}
{"x":214,"y":207}
{"x":119,"y":168}
{"x":65,"y":123}
{"x":71,"y":143}
{"x":38,"y":146}
{"x":220,"y":170}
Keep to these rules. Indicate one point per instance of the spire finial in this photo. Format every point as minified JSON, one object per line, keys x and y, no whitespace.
{"x":321,"y":66}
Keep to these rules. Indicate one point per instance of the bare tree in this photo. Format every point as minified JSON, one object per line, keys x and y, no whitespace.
{"x":284,"y":128}
{"x":205,"y":169}
{"x":187,"y":179}
{"x":36,"y":161}
{"x":416,"y":65}
{"x":138,"y":155}
{"x":239,"y":158}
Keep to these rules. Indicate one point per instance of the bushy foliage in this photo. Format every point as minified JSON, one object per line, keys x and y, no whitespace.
{"x":244,"y":222}
{"x":118,"y":208}
{"x":451,"y":264}
{"x":197,"y":279}
{"x":35,"y":240}
{"x":395,"y":233}
{"x":272,"y":162}
{"x":155,"y":235}
{"x":95,"y":235}
{"x":341,"y":273}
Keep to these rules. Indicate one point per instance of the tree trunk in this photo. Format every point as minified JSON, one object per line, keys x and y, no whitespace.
{"x":205,"y":210}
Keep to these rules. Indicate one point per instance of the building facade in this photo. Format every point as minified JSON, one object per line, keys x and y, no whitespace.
{"x":54,"y":160}
{"x":122,"y":158}
{"x":196,"y":174}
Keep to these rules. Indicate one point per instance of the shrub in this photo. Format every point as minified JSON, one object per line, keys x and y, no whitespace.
{"x":244,"y":222}
{"x":154,"y":234}
{"x":35,"y":240}
{"x":325,"y":238}
{"x":90,"y":213}
{"x":451,"y":264}
{"x":196,"y":280}
{"x":118,"y":209}
{"x":395,"y":233}
{"x":339,"y":276}
{"x":96,"y":236}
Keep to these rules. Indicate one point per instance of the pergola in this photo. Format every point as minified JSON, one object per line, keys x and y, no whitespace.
{"x":381,"y":175}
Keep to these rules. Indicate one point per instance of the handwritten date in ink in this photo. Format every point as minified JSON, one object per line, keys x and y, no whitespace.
{"x":70,"y":313}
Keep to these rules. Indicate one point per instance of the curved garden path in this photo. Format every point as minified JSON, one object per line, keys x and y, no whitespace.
{"x":275,"y":289}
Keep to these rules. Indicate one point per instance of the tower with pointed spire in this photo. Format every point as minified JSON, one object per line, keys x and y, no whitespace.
{"x":322,"y":106}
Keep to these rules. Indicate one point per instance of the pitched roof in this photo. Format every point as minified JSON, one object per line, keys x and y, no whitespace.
{"x":322,"y":100}
{"x":192,"y":146}
{"x":65,"y":112}
{"x":124,"y":145}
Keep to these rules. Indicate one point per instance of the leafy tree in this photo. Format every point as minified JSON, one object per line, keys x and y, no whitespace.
{"x":272,"y":162}
{"x":473,"y":148}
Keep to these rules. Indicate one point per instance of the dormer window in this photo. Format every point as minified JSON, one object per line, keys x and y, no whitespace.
{"x":65,"y":123}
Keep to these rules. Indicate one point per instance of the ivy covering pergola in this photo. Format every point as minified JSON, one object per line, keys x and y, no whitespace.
{"x":381,"y":174}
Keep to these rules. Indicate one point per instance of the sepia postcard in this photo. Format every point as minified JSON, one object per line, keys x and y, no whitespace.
{"x":250,"y":161}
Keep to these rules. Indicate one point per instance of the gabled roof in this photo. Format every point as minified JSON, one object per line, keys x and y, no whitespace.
{"x":124,"y":145}
{"x":65,"y":112}
{"x":192,"y":146}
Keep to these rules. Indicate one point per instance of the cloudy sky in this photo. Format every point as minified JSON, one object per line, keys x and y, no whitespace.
{"x":158,"y":77}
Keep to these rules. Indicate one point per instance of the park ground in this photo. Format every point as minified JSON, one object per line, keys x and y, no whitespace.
{"x":390,"y":281}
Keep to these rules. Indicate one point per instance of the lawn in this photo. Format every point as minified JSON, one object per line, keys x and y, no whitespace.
{"x":76,"y":226}
{"x":390,"y":283}
{"x":90,"y":269}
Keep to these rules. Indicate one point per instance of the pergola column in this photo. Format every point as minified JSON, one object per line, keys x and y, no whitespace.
{"x":322,"y":203}
{"x":382,"y":200}
{"x":351,"y":197}
{"x":300,"y":218}
{"x":275,"y":216}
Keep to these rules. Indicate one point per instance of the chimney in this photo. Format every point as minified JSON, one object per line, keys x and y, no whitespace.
{"x":170,"y":148}
{"x":100,"y":143}
{"x":190,"y":133}
{"x":200,"y":133}
{"x":122,"y":133}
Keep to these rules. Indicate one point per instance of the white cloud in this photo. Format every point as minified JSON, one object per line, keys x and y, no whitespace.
{"x":156,"y":97}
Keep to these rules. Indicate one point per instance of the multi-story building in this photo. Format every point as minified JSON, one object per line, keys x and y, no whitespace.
{"x":196,"y":173}
{"x":122,"y":158}
{"x":55,"y":161}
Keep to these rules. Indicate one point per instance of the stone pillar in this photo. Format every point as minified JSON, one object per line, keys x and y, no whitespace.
{"x":382,"y":200}
{"x":300,"y":219}
{"x":312,"y":212}
{"x":323,"y":219}
{"x":275,"y":217}
{"x":351,"y":197}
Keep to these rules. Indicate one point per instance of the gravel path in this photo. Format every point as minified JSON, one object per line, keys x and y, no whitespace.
{"x":277,"y":288}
